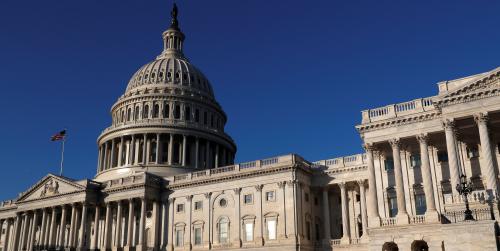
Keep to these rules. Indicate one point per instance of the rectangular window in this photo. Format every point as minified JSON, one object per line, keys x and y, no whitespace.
{"x":442,"y":156}
{"x":393,"y":207}
{"x":198,"y":205}
{"x":248,"y":231}
{"x":177,"y":112}
{"x":205,"y":118}
{"x":187,"y":113}
{"x":224,"y":232}
{"x":180,"y":208}
{"x":197,"y":236}
{"x":211,"y":120}
{"x":248,"y":199}
{"x":389,"y":164}
{"x":270,"y":196}
{"x":420,"y":205}
{"x":271,"y":229}
{"x":197,"y":115}
{"x":415,"y":160}
{"x":166,"y":110}
{"x":179,"y":238}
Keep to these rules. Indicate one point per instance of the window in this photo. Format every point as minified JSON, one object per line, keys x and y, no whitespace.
{"x":306,"y":197}
{"x":198,"y":205}
{"x":393,"y":207}
{"x":152,"y":155}
{"x":415,"y":160}
{"x":205,"y":118}
{"x":270,"y":196}
{"x":316,"y":201}
{"x":224,"y":231}
{"x":129,"y":114}
{"x":420,"y":205}
{"x":166,"y":110}
{"x":442,"y":156}
{"x":180,"y":208}
{"x":145,"y":113}
{"x":358,"y":198}
{"x":197,"y":115}
{"x":248,"y":231}
{"x":211,"y":120}
{"x":472,"y":152}
{"x":389,"y":164}
{"x":179,"y":238}
{"x":177,"y":112}
{"x":271,"y":229}
{"x":156,"y":111}
{"x":197,"y":236}
{"x":248,"y":199}
{"x":187,"y":113}
{"x":136,"y":113}
{"x":223,"y":203}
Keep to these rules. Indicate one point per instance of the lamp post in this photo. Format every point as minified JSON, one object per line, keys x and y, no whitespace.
{"x":465,"y":189}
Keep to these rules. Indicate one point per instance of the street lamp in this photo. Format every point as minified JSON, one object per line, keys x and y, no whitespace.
{"x":465,"y":189}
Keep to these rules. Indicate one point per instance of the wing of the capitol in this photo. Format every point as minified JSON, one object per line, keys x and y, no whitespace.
{"x":166,"y":177}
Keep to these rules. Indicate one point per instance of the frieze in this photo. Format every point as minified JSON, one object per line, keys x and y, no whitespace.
{"x":398,"y":121}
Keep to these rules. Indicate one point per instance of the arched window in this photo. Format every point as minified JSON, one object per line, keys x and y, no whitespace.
{"x":129,"y":114}
{"x":136,"y":113}
{"x":145,"y":112}
{"x":166,"y":110}
{"x":187,"y":113}
{"x":156,"y":111}
{"x":177,"y":112}
{"x":122,"y":118}
{"x":223,"y":227}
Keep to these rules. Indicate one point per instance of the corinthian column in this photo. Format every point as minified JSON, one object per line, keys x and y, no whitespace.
{"x":345,"y":216}
{"x":491,"y":177}
{"x":449,"y":129}
{"x":83,"y":229}
{"x":141,"y":245}
{"x":402,"y":216}
{"x":373,"y":214}
{"x":431,"y":213}
{"x":326,"y":216}
{"x":60,"y":244}
{"x":362,"y":196}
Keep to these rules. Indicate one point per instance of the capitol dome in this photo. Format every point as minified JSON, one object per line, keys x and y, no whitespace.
{"x":168,"y":120}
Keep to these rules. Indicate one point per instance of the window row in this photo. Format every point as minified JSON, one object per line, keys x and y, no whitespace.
{"x":270,"y":196}
{"x":167,"y":110}
{"x":186,"y":78}
{"x":223,"y":230}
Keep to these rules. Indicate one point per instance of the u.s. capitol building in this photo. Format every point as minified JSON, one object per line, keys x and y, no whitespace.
{"x":166,"y":178}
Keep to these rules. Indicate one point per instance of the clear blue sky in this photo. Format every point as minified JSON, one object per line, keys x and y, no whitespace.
{"x":292,"y":75}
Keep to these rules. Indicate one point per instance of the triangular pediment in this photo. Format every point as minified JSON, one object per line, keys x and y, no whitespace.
{"x":479,"y":83}
{"x":49,"y":186}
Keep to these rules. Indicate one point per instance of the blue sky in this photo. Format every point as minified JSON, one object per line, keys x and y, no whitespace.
{"x":292,"y":75}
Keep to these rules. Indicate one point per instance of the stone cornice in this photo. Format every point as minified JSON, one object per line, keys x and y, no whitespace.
{"x":398,"y":121}
{"x":467,"y":97}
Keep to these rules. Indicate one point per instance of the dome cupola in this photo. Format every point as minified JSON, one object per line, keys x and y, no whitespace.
{"x":167,"y":121}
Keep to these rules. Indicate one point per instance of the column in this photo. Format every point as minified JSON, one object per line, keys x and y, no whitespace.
{"x":42,"y":232}
{"x":482,"y":124}
{"x":164,"y":224}
{"x":326,"y":217}
{"x":216,"y":155}
{"x":156,"y":223}
{"x":72,"y":226}
{"x":97,"y":216}
{"x":237,"y":214}
{"x":131,"y":161}
{"x":449,"y":129}
{"x":104,"y":165}
{"x":33,"y":230}
{"x":111,"y":160}
{"x":170,"y":149}
{"x":224,"y":157}
{"x":170,"y":239}
{"x":118,"y":229}
{"x":7,"y":236}
{"x":64,"y":212}
{"x":188,"y":240}
{"x":207,"y":154}
{"x":207,"y":215}
{"x":141,"y":244}
{"x":107,"y":227}
{"x":197,"y":153}
{"x":148,"y":150}
{"x":373,"y":214}
{"x":24,"y":228}
{"x":402,"y":216}
{"x":431,"y":213}
{"x":83,"y":228}
{"x":144,"y":147}
{"x":52,"y":230}
{"x":258,"y":203}
{"x":48,"y":228}
{"x":362,"y":195}
{"x":130,"y":230}
{"x":127,"y":152}
{"x":184,"y":149}
{"x":136,"y":150}
{"x":345,"y":217}
{"x":158,"y":148}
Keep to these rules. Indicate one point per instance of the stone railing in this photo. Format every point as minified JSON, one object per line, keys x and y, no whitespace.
{"x":417,"y":219}
{"x":355,"y":241}
{"x":396,"y":110}
{"x":455,"y":216}
{"x":476,"y":196}
{"x":353,"y":160}
{"x":126,"y":181}
{"x":384,"y":222}
{"x":6,"y":203}
{"x":335,"y":242}
{"x":243,"y":167}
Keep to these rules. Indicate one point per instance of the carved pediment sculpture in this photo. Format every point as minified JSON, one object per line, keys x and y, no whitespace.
{"x":50,"y":188}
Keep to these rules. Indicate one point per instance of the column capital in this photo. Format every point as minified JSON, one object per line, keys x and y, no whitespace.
{"x":207,"y":195}
{"x":258,"y":188}
{"x":237,"y":190}
{"x":369,"y":147}
{"x":341,"y":185}
{"x":481,"y":118}
{"x":361,"y":183}
{"x":189,"y":198}
{"x":281,"y":184}
{"x":171,"y":200}
{"x":423,"y":138}
{"x":448,"y":124}
{"x":395,"y":143}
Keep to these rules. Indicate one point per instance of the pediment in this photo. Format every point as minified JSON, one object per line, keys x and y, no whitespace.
{"x":481,"y":83}
{"x":50,"y":186}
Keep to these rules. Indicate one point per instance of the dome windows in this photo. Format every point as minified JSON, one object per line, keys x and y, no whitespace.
{"x":145,"y":112}
{"x":166,"y":110}
{"x":156,"y":111}
{"x":187,"y":113}
{"x":177,"y":112}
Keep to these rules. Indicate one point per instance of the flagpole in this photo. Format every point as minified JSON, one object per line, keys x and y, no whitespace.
{"x":62,"y":156}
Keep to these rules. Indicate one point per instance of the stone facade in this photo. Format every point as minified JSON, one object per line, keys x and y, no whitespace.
{"x":166,"y":178}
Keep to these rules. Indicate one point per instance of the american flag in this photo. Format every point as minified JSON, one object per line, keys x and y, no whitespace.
{"x":58,"y":136}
